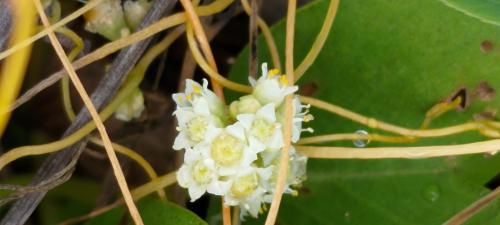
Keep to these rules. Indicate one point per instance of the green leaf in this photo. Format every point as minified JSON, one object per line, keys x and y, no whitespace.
{"x":392,"y":60}
{"x":153,"y":212}
{"x":485,"y":10}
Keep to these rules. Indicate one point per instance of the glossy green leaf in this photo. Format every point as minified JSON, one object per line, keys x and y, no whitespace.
{"x":485,"y":10}
{"x":153,"y":212}
{"x":393,"y":60}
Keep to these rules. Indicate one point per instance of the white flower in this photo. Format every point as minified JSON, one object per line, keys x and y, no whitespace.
{"x":231,"y":150}
{"x":263,"y":127}
{"x":297,"y":168}
{"x":248,"y":189}
{"x":198,"y":174}
{"x":271,"y":87}
{"x":196,"y":124}
{"x":132,"y":107}
{"x":195,"y":91}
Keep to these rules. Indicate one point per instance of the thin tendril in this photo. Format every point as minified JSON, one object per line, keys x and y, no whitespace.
{"x":491,"y":146}
{"x":320,"y":40}
{"x":287,"y":128}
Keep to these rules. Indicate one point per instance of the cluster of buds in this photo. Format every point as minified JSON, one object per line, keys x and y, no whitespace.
{"x":234,"y":151}
{"x":113,"y":21}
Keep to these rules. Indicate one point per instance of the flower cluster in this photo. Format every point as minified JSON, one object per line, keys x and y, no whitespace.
{"x":112,"y":20}
{"x":234,"y":151}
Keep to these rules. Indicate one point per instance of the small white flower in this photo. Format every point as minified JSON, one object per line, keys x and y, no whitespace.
{"x":195,"y":91}
{"x":198,"y":174}
{"x":248,"y":189}
{"x":231,"y":150}
{"x":263,"y":127}
{"x":271,"y":87}
{"x":297,"y":168}
{"x":132,"y":107}
{"x":196,"y":124}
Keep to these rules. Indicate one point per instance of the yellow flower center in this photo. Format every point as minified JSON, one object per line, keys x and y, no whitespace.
{"x":245,"y":185}
{"x":196,"y":128}
{"x":262,"y":129}
{"x":227,"y":150}
{"x":201,"y":173}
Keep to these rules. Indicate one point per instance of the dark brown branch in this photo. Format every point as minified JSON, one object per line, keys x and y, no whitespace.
{"x":5,"y":23}
{"x":126,"y":59}
{"x":252,"y":40}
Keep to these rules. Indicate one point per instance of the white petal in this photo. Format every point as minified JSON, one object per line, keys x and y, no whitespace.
{"x":236,"y":130}
{"x":276,"y":140}
{"x":255,"y":145}
{"x":265,"y":173}
{"x":267,"y":112}
{"x":295,"y":134}
{"x":264,"y":69}
{"x":211,"y":133}
{"x":268,"y":91}
{"x":248,"y":158}
{"x":252,"y":206}
{"x":181,"y":141}
{"x":191,"y":156}
{"x":190,"y":84}
{"x":246,"y":120}
{"x":289,"y":90}
{"x":200,"y":107}
{"x":195,"y":192}
{"x":183,"y":116}
{"x":205,"y":84}
{"x":180,"y":99}
{"x":219,"y":187}
{"x":184,"y":176}
{"x":269,"y":155}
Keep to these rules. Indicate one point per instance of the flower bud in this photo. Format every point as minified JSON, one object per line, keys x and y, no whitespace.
{"x":246,"y":104}
{"x":107,"y":20}
{"x":135,"y":12}
{"x":132,"y":107}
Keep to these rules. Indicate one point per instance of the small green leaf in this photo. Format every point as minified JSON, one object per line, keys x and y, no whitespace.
{"x":157,"y":212}
{"x":153,"y":212}
{"x":485,"y":10}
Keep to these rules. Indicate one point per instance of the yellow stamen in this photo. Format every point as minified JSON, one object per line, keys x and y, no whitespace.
{"x":273,"y":72}
{"x":196,"y":89}
{"x":283,"y":80}
{"x":308,"y":118}
{"x":189,"y":97}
